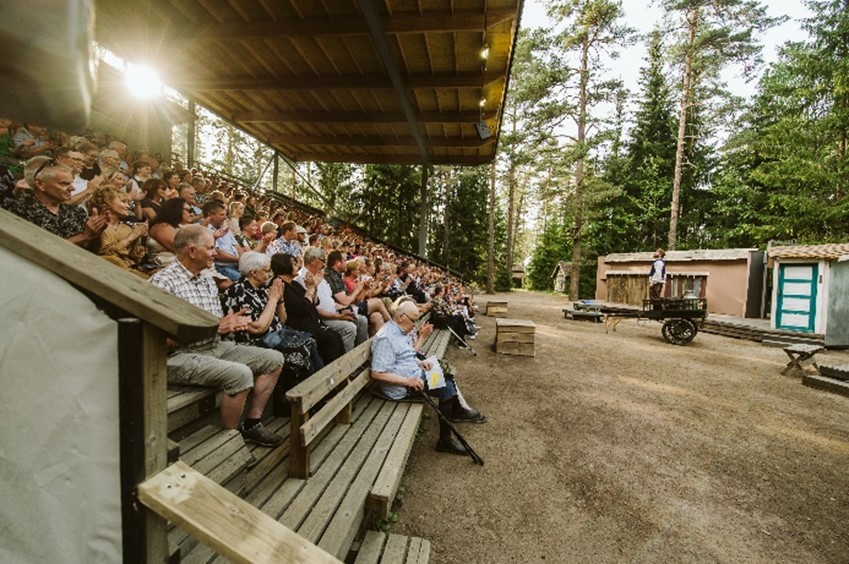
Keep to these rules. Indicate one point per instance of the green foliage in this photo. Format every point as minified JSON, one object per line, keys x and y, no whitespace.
{"x":550,"y":250}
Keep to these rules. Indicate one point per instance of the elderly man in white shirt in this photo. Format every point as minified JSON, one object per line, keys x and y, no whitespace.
{"x":352,"y":327}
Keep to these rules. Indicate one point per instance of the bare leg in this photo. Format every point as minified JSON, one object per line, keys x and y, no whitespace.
{"x":375,"y":305}
{"x":231,"y":409}
{"x":263,"y":386}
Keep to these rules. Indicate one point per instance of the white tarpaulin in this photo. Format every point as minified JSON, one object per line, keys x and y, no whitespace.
{"x":59,"y":440}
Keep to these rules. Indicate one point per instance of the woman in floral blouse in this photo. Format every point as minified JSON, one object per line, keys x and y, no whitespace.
{"x":263,"y":303}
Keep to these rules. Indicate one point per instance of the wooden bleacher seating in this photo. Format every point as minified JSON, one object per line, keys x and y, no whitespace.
{"x":350,"y":445}
{"x":379,"y":547}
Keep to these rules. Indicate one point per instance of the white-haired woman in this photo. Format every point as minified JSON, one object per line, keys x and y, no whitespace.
{"x":262,"y":301}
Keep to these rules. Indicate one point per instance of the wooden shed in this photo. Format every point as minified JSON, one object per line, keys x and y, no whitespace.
{"x":810,"y":289}
{"x":731,"y":279}
{"x":561,"y":275}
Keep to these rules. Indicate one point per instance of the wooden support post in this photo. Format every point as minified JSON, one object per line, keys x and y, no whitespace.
{"x":276,"y":172}
{"x":299,"y":455}
{"x":191,"y":136}
{"x":144,"y":441}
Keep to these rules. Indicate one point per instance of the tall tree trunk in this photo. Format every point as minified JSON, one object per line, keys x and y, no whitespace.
{"x":490,"y":235}
{"x":574,"y":282}
{"x":511,"y":191}
{"x":686,"y":100}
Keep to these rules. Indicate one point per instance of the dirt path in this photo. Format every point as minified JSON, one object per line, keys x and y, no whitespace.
{"x":622,"y":448}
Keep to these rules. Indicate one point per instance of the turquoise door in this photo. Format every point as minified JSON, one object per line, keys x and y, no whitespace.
{"x":797,"y":297}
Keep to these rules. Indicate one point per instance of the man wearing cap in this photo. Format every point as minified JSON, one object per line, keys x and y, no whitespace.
{"x":303,"y":238}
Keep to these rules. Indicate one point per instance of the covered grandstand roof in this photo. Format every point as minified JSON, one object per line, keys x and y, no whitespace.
{"x":392,"y":81}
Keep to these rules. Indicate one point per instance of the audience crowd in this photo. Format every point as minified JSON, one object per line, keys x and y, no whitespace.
{"x":282,"y":277}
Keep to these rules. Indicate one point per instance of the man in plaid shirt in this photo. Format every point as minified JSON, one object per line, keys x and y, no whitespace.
{"x":240,"y":371}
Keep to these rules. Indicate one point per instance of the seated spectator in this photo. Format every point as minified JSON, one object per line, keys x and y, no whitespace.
{"x":160,"y":245}
{"x":45,"y":204}
{"x":446,"y":315}
{"x":154,"y":196}
{"x":108,"y":162}
{"x":30,"y":141}
{"x":82,"y":189}
{"x":400,"y":374}
{"x":8,"y":159}
{"x":140,"y":172}
{"x":226,"y":249}
{"x":264,"y":305}
{"x":188,"y":193}
{"x":238,"y":370}
{"x":172,"y":182}
{"x":235,"y":212}
{"x":371,"y":308}
{"x":287,"y":243}
{"x":91,"y":168}
{"x":300,"y":308}
{"x":351,"y":327}
{"x":120,"y":242}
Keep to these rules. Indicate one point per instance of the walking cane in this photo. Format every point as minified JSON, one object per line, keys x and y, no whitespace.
{"x":477,"y":459}
{"x":462,"y":341}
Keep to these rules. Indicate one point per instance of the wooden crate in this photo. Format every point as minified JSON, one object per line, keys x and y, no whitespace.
{"x":496,"y":309}
{"x":514,"y":336}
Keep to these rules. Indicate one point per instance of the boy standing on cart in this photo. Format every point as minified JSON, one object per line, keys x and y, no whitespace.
{"x":657,"y":275}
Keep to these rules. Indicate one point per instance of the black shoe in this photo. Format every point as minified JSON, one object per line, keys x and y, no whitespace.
{"x":259,"y":435}
{"x":469,"y":416}
{"x":451,"y":446}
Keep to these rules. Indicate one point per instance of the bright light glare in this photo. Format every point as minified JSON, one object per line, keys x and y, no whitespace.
{"x":142,"y":81}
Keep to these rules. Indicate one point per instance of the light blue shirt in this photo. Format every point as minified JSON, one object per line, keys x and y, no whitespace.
{"x":391,"y":351}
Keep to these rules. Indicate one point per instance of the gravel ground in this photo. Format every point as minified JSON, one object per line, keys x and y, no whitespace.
{"x":622,"y":448}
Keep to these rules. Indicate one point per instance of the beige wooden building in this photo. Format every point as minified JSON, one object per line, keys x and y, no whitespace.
{"x":732,"y":280}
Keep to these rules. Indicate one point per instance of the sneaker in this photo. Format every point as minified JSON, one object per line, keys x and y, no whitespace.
{"x":258,"y":435}
{"x":471,"y":337}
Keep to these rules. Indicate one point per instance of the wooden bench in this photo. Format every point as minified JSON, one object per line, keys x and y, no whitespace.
{"x":801,"y":356}
{"x":380,"y":548}
{"x":582,"y":314}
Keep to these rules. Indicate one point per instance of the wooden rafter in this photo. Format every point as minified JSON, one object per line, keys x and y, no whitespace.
{"x":352,"y":117}
{"x":348,"y":82}
{"x":376,"y":141}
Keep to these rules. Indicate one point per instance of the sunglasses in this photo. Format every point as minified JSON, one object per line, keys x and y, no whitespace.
{"x":45,"y":164}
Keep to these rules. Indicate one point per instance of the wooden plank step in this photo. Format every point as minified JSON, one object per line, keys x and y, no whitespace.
{"x":232,"y":526}
{"x":346,"y":520}
{"x":267,"y":459}
{"x":383,"y":492}
{"x":188,"y":405}
{"x":827,"y":384}
{"x":220,"y":455}
{"x":838,"y":372}
{"x":380,"y":548}
{"x":276,"y":490}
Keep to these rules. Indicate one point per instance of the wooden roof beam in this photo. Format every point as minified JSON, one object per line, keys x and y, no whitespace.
{"x":410,"y":159}
{"x":376,"y":141}
{"x":347,"y":82}
{"x":431,"y":22}
{"x":378,"y":37}
{"x":358,"y":117}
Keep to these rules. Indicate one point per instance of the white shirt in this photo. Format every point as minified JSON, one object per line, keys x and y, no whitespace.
{"x":326,"y":303}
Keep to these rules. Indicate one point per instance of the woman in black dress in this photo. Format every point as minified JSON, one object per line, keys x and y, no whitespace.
{"x":300,"y":308}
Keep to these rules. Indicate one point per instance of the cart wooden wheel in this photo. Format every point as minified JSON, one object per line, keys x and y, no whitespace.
{"x":679,"y":331}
